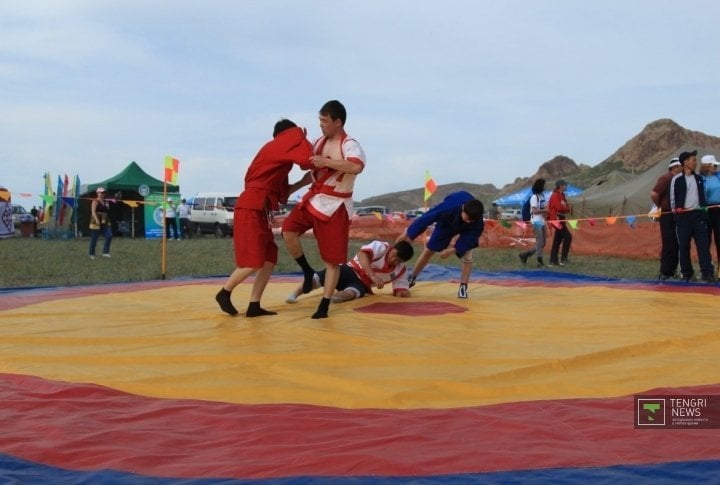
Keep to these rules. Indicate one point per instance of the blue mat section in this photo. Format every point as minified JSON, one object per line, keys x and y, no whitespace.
{"x":435,"y":272}
{"x":15,"y":470}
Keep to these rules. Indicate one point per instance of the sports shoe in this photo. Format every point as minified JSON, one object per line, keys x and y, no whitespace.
{"x":411,"y":280}
{"x":92,"y":256}
{"x":292,"y":299}
{"x":709,"y":278}
{"x":462,"y":291}
{"x":106,"y":255}
{"x":563,"y":262}
{"x":523,"y":257}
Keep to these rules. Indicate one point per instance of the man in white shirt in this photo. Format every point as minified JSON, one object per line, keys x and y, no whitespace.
{"x":184,"y":216}
{"x":687,"y":198}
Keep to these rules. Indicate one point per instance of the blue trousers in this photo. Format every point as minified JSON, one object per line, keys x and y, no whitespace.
{"x":95,"y":234}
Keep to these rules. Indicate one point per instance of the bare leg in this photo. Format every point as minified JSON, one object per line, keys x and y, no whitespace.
{"x":466,"y":263}
{"x":344,"y":295}
{"x":292,"y":243}
{"x":422,"y":261}
{"x":261,"y":280}
{"x":465,"y":270}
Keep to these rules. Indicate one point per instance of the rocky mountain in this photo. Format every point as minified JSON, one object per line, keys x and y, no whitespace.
{"x":657,"y":142}
{"x":558,"y":167}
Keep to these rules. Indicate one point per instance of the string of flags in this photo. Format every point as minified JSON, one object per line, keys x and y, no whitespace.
{"x":631,"y":220}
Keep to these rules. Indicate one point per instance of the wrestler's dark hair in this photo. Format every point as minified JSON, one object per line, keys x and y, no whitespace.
{"x":474,"y":209}
{"x":282,"y":125}
{"x":405,"y":250}
{"x":538,"y":187}
{"x":335,"y":110}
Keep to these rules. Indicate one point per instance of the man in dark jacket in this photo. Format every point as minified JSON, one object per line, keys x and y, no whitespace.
{"x":687,"y":198}
{"x":458,"y":217}
{"x":660,"y":195}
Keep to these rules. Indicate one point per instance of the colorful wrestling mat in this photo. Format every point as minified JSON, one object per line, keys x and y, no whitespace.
{"x":531,"y":379}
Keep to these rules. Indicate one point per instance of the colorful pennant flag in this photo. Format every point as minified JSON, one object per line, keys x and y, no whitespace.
{"x":430,"y":186}
{"x":172,"y":167}
{"x":47,"y":197}
{"x":58,"y":198}
{"x":61,"y":206}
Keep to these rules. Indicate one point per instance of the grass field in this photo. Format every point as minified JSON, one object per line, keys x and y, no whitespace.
{"x":28,"y":262}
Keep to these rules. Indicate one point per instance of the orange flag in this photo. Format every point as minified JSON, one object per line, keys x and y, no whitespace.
{"x":430,"y":186}
{"x":172,"y":167}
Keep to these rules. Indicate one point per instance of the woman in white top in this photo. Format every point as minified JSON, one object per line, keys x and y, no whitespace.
{"x":538,"y":209}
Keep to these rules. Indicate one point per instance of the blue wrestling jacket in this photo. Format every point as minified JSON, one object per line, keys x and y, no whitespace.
{"x":446,"y":216}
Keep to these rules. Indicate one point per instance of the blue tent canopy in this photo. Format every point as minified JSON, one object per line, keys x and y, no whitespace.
{"x":517,"y":198}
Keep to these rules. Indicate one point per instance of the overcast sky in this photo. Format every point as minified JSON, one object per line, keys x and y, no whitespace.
{"x":473,"y":91}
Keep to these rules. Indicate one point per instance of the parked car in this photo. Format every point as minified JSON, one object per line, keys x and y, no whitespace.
{"x":213,"y":213}
{"x":370,"y":210}
{"x":510,"y":214}
{"x":20,"y":215}
{"x":410,"y":214}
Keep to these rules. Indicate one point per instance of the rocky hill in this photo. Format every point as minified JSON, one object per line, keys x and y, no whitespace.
{"x":558,"y":167}
{"x":657,"y":142}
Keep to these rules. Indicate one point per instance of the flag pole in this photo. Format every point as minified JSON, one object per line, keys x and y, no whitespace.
{"x":164,"y":230}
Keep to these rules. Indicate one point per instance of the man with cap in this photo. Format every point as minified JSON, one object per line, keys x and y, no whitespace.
{"x":184,"y":216}
{"x":558,"y":210}
{"x":687,"y":198}
{"x":708,"y":169}
{"x":170,"y":220}
{"x":660,"y":195}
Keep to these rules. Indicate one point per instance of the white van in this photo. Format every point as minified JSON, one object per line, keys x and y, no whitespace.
{"x":212,"y":213}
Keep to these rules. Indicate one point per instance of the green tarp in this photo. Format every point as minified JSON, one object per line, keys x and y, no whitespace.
{"x":130,"y":179}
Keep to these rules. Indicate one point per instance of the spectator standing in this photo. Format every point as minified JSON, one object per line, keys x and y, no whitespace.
{"x":35,"y":213}
{"x":660,"y":195}
{"x":170,"y":222}
{"x":709,"y":172}
{"x":538,"y":209}
{"x":184,"y":216}
{"x":327,"y":206}
{"x":687,"y":197}
{"x":558,"y":211}
{"x":100,"y":222}
{"x":494,"y":212}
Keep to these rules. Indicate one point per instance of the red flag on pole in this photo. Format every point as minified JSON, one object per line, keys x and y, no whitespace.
{"x":172,"y":167}
{"x":430,"y":186}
